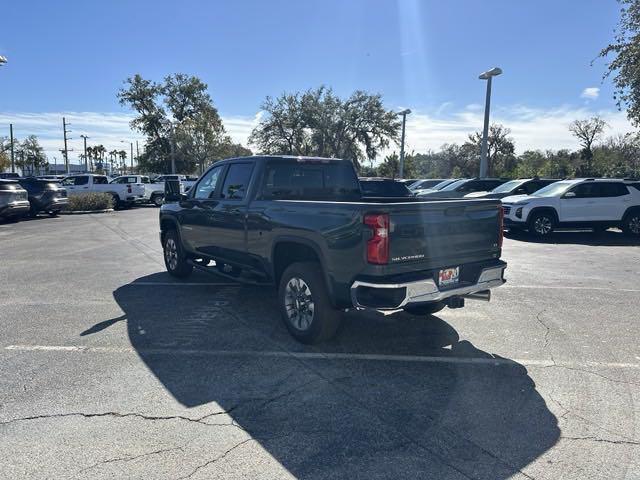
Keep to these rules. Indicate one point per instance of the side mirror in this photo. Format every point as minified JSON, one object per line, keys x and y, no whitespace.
{"x":173,"y":191}
{"x":570,"y":195}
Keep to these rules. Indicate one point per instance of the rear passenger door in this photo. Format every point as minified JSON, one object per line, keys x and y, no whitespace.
{"x":613,"y":200}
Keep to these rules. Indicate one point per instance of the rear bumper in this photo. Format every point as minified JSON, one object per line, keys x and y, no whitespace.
{"x":14,"y":208}
{"x":393,"y":296}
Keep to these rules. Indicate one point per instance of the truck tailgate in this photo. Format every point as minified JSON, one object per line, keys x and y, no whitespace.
{"x":435,"y":234}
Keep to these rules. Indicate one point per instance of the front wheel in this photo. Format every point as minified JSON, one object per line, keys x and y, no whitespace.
{"x":304,"y":303}
{"x":631,"y":224}
{"x":174,"y":258}
{"x":542,"y":224}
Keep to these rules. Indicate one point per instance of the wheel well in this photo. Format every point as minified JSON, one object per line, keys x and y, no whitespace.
{"x":629,"y":211}
{"x":550,"y":210}
{"x":286,"y":253}
{"x":166,"y":225}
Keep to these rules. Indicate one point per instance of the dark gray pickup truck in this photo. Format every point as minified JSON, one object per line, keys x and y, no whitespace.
{"x":303,"y":225}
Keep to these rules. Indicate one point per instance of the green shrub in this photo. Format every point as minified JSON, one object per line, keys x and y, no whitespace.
{"x":90,"y":201}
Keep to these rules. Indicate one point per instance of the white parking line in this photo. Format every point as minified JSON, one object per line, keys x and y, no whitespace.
{"x":568,"y":287}
{"x":316,"y":356}
{"x":535,"y":287}
{"x":186,"y":284}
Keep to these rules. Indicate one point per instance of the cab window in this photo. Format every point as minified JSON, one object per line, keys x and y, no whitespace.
{"x":237,"y":181}
{"x":206,"y":187}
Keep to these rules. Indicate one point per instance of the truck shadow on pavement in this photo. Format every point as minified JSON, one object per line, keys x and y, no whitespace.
{"x":392,"y":396}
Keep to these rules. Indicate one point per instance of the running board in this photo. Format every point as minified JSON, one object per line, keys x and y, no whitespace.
{"x":215,"y":271}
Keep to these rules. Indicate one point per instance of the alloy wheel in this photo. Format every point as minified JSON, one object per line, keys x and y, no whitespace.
{"x":299,"y":303}
{"x":542,"y":225}
{"x":634,"y":224}
{"x":171,"y":253}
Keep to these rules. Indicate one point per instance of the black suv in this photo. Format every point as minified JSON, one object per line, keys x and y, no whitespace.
{"x":44,"y":196}
{"x":13,"y":200}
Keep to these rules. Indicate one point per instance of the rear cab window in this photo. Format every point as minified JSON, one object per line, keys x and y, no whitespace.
{"x":310,"y":180}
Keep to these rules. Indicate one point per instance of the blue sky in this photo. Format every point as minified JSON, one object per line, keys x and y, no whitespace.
{"x":71,"y":57}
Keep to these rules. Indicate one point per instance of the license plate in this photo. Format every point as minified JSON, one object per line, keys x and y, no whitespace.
{"x":448,"y":276}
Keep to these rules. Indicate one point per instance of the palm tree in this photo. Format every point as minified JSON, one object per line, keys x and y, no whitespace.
{"x":123,"y":156}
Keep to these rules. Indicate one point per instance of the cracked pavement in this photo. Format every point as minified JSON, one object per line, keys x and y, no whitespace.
{"x":111,"y":369}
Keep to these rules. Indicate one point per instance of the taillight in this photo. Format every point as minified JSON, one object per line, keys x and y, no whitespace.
{"x":500,"y":226}
{"x":128,"y":188}
{"x":378,"y":244}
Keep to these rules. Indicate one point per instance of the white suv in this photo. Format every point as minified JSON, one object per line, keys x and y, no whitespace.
{"x":592,"y":203}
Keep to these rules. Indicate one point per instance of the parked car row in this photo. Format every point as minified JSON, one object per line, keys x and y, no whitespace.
{"x":29,"y":196}
{"x":536,"y":205}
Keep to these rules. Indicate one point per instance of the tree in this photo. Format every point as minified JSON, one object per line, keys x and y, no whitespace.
{"x":500,"y":150}
{"x":5,"y":156}
{"x":587,"y":131}
{"x":317,"y":122}
{"x":625,"y":65}
{"x":29,"y":155}
{"x":177,"y":118}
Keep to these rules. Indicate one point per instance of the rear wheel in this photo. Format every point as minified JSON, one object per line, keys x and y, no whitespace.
{"x":157,"y":199}
{"x":304,"y":303}
{"x":426,"y":309}
{"x":631,"y":224}
{"x":542,"y":224}
{"x":115,"y":200}
{"x":174,"y":258}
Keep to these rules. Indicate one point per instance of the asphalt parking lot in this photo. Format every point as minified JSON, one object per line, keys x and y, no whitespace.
{"x":109,"y":368}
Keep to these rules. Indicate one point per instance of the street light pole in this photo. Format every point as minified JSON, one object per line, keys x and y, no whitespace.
{"x":404,"y":114}
{"x":131,"y":158}
{"x":488,"y":75}
{"x":86,"y":162}
{"x":13,"y":160}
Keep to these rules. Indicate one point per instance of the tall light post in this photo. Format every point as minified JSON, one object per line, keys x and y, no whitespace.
{"x":488,"y":75}
{"x":404,"y":114}
{"x":86,"y":161}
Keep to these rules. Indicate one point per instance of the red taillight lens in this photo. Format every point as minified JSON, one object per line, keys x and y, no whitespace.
{"x":378,"y":244}
{"x":500,"y":226}
{"x":129,"y":188}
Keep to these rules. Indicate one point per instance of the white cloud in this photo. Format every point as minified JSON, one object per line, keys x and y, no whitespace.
{"x":531,"y":128}
{"x":106,"y":128}
{"x":590,"y":93}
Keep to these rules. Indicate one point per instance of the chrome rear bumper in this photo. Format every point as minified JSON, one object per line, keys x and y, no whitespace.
{"x":426,"y":290}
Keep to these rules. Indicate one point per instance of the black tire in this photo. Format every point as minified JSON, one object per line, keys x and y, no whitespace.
{"x":175,"y":259}
{"x":157,"y":199}
{"x":33,"y":211}
{"x":54,"y":213}
{"x":116,"y":201}
{"x":426,"y":309}
{"x":542,"y":224}
{"x":631,"y":223}
{"x":312,"y":319}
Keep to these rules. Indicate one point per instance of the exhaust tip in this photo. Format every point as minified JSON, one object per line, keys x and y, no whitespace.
{"x":483,"y":295}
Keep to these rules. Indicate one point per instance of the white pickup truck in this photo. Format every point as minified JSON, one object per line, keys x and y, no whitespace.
{"x":186,"y":181}
{"x":124,"y":195}
{"x":153,"y":191}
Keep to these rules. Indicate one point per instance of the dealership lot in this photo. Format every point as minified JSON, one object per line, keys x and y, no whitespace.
{"x":109,"y":368}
